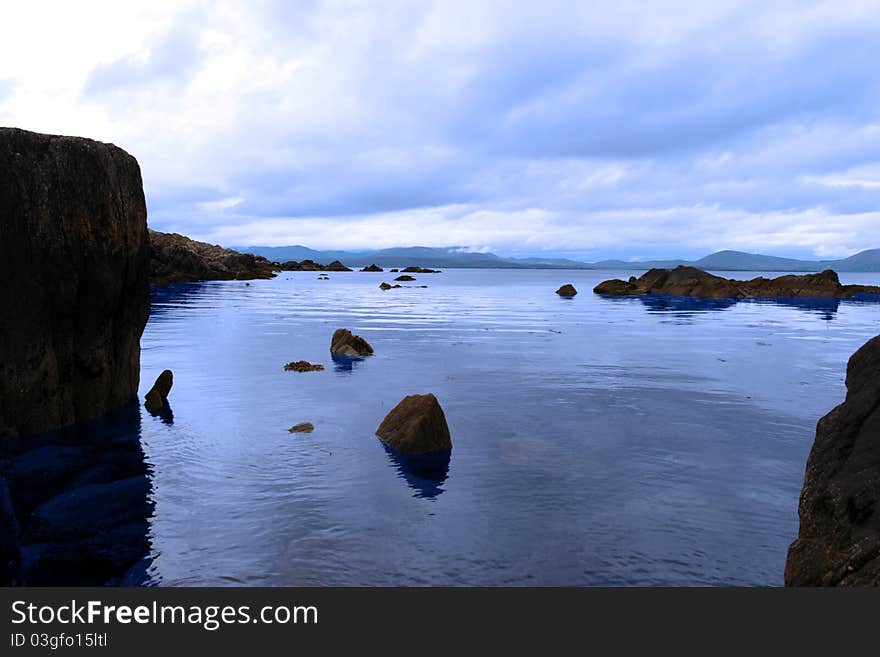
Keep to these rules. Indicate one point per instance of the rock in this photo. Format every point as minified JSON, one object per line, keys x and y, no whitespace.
{"x":394,"y":271}
{"x":420,"y":270}
{"x":372,"y":267}
{"x":566,"y":290}
{"x":156,"y":399}
{"x":344,"y":343}
{"x":386,"y":286}
{"x":74,"y":261}
{"x":176,"y":258}
{"x":690,"y":281}
{"x":838,"y":541}
{"x":303,"y":366}
{"x":336,"y":266}
{"x":302,"y":427}
{"x":417,"y":425}
{"x":405,"y":277}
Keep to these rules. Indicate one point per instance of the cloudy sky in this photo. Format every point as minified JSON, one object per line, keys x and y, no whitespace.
{"x":587,"y":129}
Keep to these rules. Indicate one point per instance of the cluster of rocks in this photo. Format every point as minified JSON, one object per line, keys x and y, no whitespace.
{"x":690,"y":281}
{"x":177,"y":259}
{"x":838,"y":542}
{"x":311,"y":265}
{"x":419,"y":270}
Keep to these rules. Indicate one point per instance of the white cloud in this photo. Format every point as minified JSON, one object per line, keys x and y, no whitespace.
{"x":612,"y":127}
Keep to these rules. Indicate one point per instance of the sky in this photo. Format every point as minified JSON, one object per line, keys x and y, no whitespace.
{"x":581,"y":129}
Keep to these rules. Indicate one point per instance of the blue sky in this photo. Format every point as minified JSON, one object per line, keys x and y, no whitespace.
{"x":585,"y":129}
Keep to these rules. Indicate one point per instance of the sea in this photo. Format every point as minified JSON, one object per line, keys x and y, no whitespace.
{"x":597,"y":441}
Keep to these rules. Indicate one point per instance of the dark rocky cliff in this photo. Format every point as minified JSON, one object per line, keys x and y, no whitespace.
{"x":74,"y":261}
{"x":839,"y":538}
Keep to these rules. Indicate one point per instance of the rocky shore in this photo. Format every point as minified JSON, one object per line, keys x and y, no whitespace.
{"x":838,"y":542}
{"x":690,"y":281}
{"x":176,"y":259}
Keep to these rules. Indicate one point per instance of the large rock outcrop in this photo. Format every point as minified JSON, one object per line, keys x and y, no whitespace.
{"x":838,"y":542}
{"x":74,"y":263}
{"x":178,"y":259}
{"x":417,"y":425}
{"x":693,"y":282}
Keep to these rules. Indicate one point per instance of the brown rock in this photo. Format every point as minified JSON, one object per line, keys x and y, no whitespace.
{"x":345,"y":343}
{"x":405,"y":277}
{"x":417,"y":425}
{"x":336,"y":266}
{"x":303,"y":366}
{"x":386,"y":286}
{"x":372,"y":268}
{"x":394,"y":271}
{"x":74,"y":264}
{"x":302,"y":427}
{"x":566,"y":290}
{"x":838,"y":541}
{"x":177,"y":258}
{"x":157,"y":398}
{"x":693,"y":282}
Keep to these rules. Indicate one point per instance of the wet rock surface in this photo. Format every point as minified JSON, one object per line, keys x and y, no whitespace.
{"x":302,"y":427}
{"x":838,"y":542}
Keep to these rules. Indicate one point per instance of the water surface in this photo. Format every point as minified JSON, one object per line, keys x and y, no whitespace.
{"x":597,"y":441}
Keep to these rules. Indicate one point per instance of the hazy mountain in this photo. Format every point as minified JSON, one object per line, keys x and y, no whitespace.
{"x":457,"y":257}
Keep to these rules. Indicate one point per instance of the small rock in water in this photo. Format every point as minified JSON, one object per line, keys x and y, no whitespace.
{"x":157,"y":398}
{"x":386,"y":286}
{"x":405,"y":277}
{"x":344,"y":343}
{"x":394,"y":271}
{"x":566,"y":290}
{"x":302,"y":427}
{"x":372,"y":267}
{"x":417,"y":425}
{"x":303,"y":366}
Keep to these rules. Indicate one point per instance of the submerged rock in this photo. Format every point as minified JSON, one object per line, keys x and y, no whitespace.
{"x":405,"y":277}
{"x":176,"y":258}
{"x":690,"y":281}
{"x":838,"y":541}
{"x":417,"y":425}
{"x":303,"y":366}
{"x":566,"y":290}
{"x":156,"y":399}
{"x":387,"y":286}
{"x":345,"y":343}
{"x":74,"y":261}
{"x":372,"y":267}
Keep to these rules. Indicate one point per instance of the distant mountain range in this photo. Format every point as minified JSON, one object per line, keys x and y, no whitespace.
{"x":456,"y":257}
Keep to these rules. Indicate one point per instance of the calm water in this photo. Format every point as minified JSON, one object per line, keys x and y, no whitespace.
{"x":596,"y":441}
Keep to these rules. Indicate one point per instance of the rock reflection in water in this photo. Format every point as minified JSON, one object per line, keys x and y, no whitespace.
{"x":425,"y":473}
